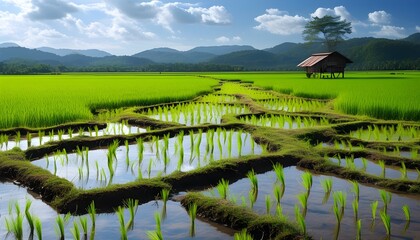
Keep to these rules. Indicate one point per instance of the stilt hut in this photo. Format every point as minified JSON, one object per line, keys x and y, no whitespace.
{"x":325,"y":65}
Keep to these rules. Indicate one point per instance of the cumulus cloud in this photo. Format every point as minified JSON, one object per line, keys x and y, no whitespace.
{"x":225,"y":40}
{"x":418,"y":28}
{"x":51,"y":9}
{"x":166,"y":14}
{"x":379,"y":17}
{"x":339,"y":11}
{"x":390,"y":32}
{"x":280,"y":23}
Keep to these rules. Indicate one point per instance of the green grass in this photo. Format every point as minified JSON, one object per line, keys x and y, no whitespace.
{"x":375,"y":94}
{"x":45,"y":100}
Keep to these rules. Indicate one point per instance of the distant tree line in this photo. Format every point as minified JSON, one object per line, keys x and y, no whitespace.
{"x":19,"y":68}
{"x":23,"y":68}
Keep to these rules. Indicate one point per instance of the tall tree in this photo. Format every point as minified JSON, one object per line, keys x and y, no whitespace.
{"x":328,"y":29}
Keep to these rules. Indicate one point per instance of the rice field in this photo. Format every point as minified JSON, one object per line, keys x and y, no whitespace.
{"x":177,"y":156}
{"x":45,"y":100}
{"x":376,"y":94}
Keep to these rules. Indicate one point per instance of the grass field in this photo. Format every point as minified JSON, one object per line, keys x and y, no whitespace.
{"x":45,"y":100}
{"x":376,"y":94}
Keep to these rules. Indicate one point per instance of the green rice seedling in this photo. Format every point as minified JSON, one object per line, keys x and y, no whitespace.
{"x":386,"y":198}
{"x":350,"y":163}
{"x":51,"y":135}
{"x":154,"y":235}
{"x":327,"y":186}
{"x":278,"y":169}
{"x":38,"y":228}
{"x":303,"y":200}
{"x":127,"y":153}
{"x":223,"y":188}
{"x":15,"y":226}
{"x":29,"y":217}
{"x":192,"y":211}
{"x":382,"y":165}
{"x":123,"y":230}
{"x":29,"y":139}
{"x":355,"y":205}
{"x":17,"y":137}
{"x":386,"y":220}
{"x":359,"y":229}
{"x":300,"y":219}
{"x":92,"y":213}
{"x":252,"y":198}
{"x":278,"y":192}
{"x":339,"y":205}
{"x":239,"y":142}
{"x":75,"y":231}
{"x":158,"y":225}
{"x":403,"y":171}
{"x":40,"y":135}
{"x":364,"y":162}
{"x":406,"y":210}
{"x":242,"y":235}
{"x":132,"y":206}
{"x":307,"y":181}
{"x":149,"y":167}
{"x":61,"y":222}
{"x":253,"y":180}
{"x":96,"y":130}
{"x":84,"y":225}
{"x":70,"y":132}
{"x":267,"y":204}
{"x":60,"y":134}
{"x":279,"y":213}
{"x":140,"y":148}
{"x":243,"y":201}
{"x":356,"y":190}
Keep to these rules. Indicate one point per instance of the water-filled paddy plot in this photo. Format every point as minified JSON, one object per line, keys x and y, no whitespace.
{"x":280,"y":165}
{"x":195,"y":113}
{"x":41,"y":137}
{"x":158,"y":157}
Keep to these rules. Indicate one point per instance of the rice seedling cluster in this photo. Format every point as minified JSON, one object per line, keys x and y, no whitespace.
{"x":217,"y":98}
{"x":377,"y":168}
{"x":236,"y":88}
{"x":195,"y":113}
{"x":292,"y":104}
{"x":40,"y":138}
{"x":387,"y":133}
{"x":283,"y":121}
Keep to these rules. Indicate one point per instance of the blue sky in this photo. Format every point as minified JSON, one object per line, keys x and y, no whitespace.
{"x":125,"y":27}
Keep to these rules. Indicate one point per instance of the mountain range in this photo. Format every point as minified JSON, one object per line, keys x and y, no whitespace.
{"x":366,"y":53}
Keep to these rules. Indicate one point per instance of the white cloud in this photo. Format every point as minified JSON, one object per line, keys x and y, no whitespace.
{"x":166,"y":14}
{"x":418,"y":28}
{"x":225,"y":40}
{"x":51,"y":9}
{"x":379,"y":17}
{"x":390,"y":32}
{"x":339,"y":11}
{"x":280,"y":23}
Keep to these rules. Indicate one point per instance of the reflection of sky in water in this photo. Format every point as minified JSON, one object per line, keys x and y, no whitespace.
{"x":123,"y":174}
{"x":320,"y":219}
{"x":111,"y":129}
{"x":175,"y":226}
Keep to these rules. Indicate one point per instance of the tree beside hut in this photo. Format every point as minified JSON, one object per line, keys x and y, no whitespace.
{"x":322,"y":64}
